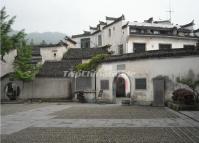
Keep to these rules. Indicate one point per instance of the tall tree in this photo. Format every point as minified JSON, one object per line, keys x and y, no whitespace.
{"x":24,"y":69}
{"x":8,"y":42}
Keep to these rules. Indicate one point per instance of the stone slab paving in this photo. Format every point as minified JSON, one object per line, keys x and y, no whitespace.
{"x":20,"y":120}
{"x":7,"y":109}
{"x":192,"y":114}
{"x":98,"y":123}
{"x":88,"y":123}
{"x":114,"y":112}
{"x":104,"y":135}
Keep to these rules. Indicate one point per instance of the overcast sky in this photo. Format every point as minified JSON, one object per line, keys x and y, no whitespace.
{"x":73,"y":16}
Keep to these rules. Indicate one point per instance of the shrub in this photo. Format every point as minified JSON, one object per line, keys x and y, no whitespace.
{"x":183,"y":96}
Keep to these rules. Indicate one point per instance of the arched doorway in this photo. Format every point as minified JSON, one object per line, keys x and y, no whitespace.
{"x":121,"y":86}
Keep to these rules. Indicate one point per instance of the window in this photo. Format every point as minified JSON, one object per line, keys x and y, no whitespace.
{"x":104,"y":84}
{"x":121,"y":67}
{"x":189,"y":46}
{"x":109,"y":32}
{"x":140,"y":83}
{"x":139,"y":47}
{"x":85,"y":43}
{"x":55,"y":54}
{"x":99,"y":40}
{"x":120,"y":49}
{"x":156,"y":32}
{"x":165,"y":46}
{"x":133,"y":31}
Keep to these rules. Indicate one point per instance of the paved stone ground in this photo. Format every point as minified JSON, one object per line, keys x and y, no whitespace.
{"x":192,"y":114}
{"x":115,"y":112}
{"x":77,"y":123}
{"x":104,"y":135}
{"x":7,"y":109}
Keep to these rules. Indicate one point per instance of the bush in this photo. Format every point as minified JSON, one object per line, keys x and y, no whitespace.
{"x":183,"y":96}
{"x":80,"y":97}
{"x":12,"y":91}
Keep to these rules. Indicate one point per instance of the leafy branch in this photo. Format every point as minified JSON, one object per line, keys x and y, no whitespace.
{"x":92,"y":64}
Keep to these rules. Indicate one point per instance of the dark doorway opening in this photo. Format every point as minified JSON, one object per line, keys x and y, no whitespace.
{"x":120,"y":87}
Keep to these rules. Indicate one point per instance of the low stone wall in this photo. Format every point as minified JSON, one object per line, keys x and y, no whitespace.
{"x":42,"y":88}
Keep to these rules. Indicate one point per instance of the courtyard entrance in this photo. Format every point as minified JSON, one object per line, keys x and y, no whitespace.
{"x":121,"y":87}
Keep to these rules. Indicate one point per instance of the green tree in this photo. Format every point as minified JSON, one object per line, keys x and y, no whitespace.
{"x":192,"y":81}
{"x":8,"y":42}
{"x":24,"y":69}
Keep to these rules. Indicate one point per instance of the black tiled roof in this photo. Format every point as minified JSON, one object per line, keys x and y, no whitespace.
{"x":154,"y":54}
{"x":57,"y":68}
{"x":69,"y":39}
{"x":152,"y":27}
{"x":197,"y":30}
{"x":189,"y":24}
{"x":84,"y":53}
{"x":162,"y":21}
{"x":36,"y":51}
{"x":115,"y":21}
{"x":81,"y":35}
{"x":184,"y":30}
{"x":61,"y":43}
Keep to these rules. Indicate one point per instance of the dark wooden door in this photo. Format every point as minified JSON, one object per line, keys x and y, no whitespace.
{"x":120,"y":87}
{"x":158,"y":92}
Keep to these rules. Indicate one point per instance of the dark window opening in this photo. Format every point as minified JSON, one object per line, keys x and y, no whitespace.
{"x":120,"y":49}
{"x":140,"y":83}
{"x":109,"y":32}
{"x":99,"y":40}
{"x":189,"y":46}
{"x":139,"y":47}
{"x":85,"y":43}
{"x":104,"y":84}
{"x":162,"y":32}
{"x":121,"y":67}
{"x":55,"y":54}
{"x":165,"y":46}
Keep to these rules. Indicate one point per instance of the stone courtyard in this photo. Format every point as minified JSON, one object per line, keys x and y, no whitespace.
{"x":110,"y":123}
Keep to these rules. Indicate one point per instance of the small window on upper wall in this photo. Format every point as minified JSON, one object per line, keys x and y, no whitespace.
{"x":55,"y":54}
{"x":165,"y":46}
{"x":109,"y":32}
{"x":104,"y":84}
{"x":121,"y":67}
{"x":140,"y":83}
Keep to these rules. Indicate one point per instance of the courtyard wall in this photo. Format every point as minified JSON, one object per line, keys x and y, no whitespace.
{"x":42,"y":88}
{"x":170,"y":68}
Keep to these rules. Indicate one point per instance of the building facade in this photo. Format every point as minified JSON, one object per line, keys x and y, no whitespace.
{"x":128,"y":37}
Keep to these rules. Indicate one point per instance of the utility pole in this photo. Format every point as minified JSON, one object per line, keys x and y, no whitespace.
{"x":170,"y":11}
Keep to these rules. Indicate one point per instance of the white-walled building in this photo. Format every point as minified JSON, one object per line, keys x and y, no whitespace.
{"x":7,"y":65}
{"x":128,"y":37}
